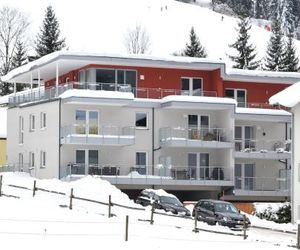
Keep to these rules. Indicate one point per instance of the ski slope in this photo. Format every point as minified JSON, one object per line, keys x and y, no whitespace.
{"x":100,"y":26}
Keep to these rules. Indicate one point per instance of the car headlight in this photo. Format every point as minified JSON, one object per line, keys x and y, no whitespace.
{"x":226,"y":219}
{"x":168,"y":209}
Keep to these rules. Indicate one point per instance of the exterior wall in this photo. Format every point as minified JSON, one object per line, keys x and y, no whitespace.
{"x":123,"y":156}
{"x":296,"y":165}
{"x":256,"y":92}
{"x":3,"y":151}
{"x":35,"y":141}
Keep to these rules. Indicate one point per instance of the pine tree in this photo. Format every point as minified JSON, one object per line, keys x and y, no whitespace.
{"x":246,"y":51}
{"x":275,"y":49}
{"x":49,"y":40}
{"x":194,"y":49}
{"x":19,"y":59}
{"x":274,"y":9}
{"x":290,"y":60}
{"x":289,"y":18}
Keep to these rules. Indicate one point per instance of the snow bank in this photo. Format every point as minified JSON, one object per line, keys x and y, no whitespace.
{"x":97,"y":94}
{"x":259,"y":111}
{"x":199,"y":99}
{"x":288,"y":97}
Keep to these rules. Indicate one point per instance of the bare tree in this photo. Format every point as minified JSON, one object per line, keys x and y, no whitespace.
{"x":137,"y":40}
{"x":13,"y":26}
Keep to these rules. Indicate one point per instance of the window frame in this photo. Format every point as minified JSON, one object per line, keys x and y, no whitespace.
{"x":31,"y":160}
{"x":32,"y":123}
{"x":21,"y":130}
{"x":43,"y":120}
{"x":43,"y":159}
{"x":235,"y":97}
{"x":191,"y":87}
{"x":147,"y":123}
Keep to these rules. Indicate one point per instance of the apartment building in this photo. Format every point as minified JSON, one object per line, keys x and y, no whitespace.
{"x":182,"y":124}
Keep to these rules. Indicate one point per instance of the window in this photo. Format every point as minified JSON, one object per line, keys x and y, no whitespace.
{"x":21,"y":161}
{"x":141,"y":120}
{"x":31,"y":160}
{"x":86,"y":122}
{"x":21,"y":129}
{"x":43,"y":120}
{"x":31,"y":123}
{"x":105,"y":76}
{"x":191,"y":86}
{"x":198,"y":126}
{"x":43,"y":159}
{"x":141,"y":159}
{"x":238,"y":94}
{"x":244,"y":138}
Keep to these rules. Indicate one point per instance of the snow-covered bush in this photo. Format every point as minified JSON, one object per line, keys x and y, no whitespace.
{"x":277,"y":212}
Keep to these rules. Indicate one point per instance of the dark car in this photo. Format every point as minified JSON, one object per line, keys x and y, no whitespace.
{"x":162,"y":200}
{"x":219,"y":212}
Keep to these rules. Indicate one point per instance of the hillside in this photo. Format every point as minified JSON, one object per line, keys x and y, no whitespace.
{"x":99,"y":26}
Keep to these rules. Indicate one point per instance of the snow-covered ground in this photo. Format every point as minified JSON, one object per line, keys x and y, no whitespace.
{"x":100,"y":26}
{"x":45,"y":221}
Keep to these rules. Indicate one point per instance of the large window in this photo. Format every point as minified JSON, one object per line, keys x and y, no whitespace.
{"x":244,"y":138}
{"x":239,"y":95}
{"x":86,"y":122}
{"x":21,"y":129}
{"x":141,"y":120}
{"x":43,"y":159}
{"x":191,"y":86}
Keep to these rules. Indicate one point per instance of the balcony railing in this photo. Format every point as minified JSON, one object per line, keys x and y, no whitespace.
{"x":191,"y":174}
{"x":98,"y":135}
{"x":262,"y":185}
{"x":170,"y":134}
{"x":42,"y":93}
{"x":263,"y":146}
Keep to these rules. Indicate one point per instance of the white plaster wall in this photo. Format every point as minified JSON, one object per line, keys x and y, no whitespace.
{"x":35,"y":141}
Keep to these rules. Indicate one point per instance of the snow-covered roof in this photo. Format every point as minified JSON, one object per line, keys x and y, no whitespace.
{"x":3,"y":123}
{"x":96,"y":94}
{"x":259,"y":111}
{"x":288,"y":97}
{"x":66,"y":61}
{"x":198,"y":99}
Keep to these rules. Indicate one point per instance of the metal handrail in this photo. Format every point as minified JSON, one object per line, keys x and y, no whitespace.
{"x":263,"y":146}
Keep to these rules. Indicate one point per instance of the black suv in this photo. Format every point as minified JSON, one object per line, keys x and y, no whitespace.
{"x":162,"y":200}
{"x":221,"y":212}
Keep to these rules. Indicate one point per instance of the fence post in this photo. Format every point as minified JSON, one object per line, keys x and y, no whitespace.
{"x":109,"y":206}
{"x":34,"y":188}
{"x":196,"y":230}
{"x":298,"y":236}
{"x":152,"y":213}
{"x":71,"y":199}
{"x":244,"y":227}
{"x":1,"y":185}
{"x":126,"y":228}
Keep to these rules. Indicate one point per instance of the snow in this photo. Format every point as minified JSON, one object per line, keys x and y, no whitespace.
{"x":288,"y":97}
{"x":160,"y":192}
{"x":198,"y":99}
{"x":97,"y":94}
{"x":261,"y":73}
{"x":259,"y":111}
{"x":45,"y":221}
{"x":3,"y":122}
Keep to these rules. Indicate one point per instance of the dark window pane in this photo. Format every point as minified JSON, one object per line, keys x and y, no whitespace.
{"x":80,"y":115}
{"x":141,"y":159}
{"x":141,"y":120}
{"x":185,"y":84}
{"x":229,"y":93}
{"x":241,"y":98}
{"x":193,"y":120}
{"x":238,"y":133}
{"x":80,"y":156}
{"x":131,"y":77}
{"x":204,"y":121}
{"x":121,"y":77}
{"x":93,"y":156}
{"x":197,"y":86}
{"x":105,"y":76}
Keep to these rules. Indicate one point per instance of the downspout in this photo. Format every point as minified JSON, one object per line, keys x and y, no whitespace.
{"x":286,"y":138}
{"x":153,"y":141}
{"x":59,"y":136}
{"x":292,"y":169}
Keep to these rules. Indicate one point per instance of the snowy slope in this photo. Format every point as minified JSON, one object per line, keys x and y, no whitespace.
{"x":99,"y":26}
{"x":45,"y":222}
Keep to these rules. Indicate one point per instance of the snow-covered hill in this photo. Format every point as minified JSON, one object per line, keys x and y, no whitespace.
{"x":99,"y":26}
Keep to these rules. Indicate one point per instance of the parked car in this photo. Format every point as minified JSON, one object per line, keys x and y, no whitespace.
{"x":219,"y":212}
{"x":162,"y":200}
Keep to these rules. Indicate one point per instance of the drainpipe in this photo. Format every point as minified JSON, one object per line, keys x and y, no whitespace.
{"x":293,"y":165}
{"x":153,"y":141}
{"x":59,"y":136}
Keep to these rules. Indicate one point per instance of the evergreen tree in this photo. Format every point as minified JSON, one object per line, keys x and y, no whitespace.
{"x":19,"y":59}
{"x":243,"y":8}
{"x":194,"y":49}
{"x":246,"y":51}
{"x":275,"y":49}
{"x":274,"y":9}
{"x":290,"y":59}
{"x":49,"y":39}
{"x":289,"y":18}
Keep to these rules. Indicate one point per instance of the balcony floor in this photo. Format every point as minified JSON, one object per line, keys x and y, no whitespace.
{"x":182,"y":142}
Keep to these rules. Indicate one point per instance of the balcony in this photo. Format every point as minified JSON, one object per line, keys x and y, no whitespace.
{"x":141,"y":175}
{"x":262,"y":186}
{"x":40,"y":94}
{"x":262,"y":149}
{"x":103,"y":135}
{"x":195,"y":138}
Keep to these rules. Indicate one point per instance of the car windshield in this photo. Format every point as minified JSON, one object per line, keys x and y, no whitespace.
{"x":170,"y":200}
{"x":225,"y":208}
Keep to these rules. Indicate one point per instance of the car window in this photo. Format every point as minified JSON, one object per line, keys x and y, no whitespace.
{"x":225,"y":208}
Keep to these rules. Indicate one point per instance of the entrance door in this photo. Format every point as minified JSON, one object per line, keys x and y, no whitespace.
{"x":249,"y":176}
{"x":198,"y":164}
{"x":191,"y":86}
{"x":86,"y":159}
{"x":198,"y":126}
